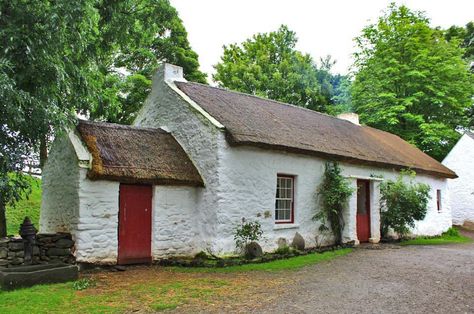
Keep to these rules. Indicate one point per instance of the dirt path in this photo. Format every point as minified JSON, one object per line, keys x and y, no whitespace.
{"x":415,"y":279}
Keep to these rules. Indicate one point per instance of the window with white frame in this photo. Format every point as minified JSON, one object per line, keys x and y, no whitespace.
{"x":284,"y":201}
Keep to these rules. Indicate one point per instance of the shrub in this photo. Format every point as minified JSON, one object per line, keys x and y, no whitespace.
{"x":402,"y":202}
{"x":247,"y":232}
{"x":284,"y":250}
{"x":451,"y":232}
{"x":335,"y":191}
{"x":83,"y":284}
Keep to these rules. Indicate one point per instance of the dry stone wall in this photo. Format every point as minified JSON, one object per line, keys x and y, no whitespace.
{"x":55,"y":247}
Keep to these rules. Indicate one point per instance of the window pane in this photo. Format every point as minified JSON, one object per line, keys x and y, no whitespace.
{"x":284,"y":199}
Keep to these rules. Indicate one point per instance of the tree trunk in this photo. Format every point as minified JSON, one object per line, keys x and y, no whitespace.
{"x":43,"y":151}
{"x":3,"y":221}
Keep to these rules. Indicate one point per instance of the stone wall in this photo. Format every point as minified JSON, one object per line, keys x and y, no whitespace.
{"x":49,"y":248}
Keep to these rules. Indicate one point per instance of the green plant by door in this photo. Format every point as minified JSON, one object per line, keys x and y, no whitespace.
{"x":402,"y":202}
{"x":334,"y":191}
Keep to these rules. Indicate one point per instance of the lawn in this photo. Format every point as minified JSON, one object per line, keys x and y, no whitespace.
{"x":276,"y":265}
{"x":449,"y":237}
{"x":157,"y":288}
{"x":29,"y":206}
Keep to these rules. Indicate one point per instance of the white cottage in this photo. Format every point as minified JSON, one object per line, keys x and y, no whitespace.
{"x":461,"y":160}
{"x":199,"y":159}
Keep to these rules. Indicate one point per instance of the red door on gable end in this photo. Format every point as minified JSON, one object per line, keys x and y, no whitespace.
{"x":134,"y":230}
{"x":363,"y":210}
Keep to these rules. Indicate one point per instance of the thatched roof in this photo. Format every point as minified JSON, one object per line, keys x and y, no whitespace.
{"x":136,"y":155}
{"x":251,"y":120}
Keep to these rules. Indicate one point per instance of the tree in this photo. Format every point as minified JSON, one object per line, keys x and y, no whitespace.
{"x":60,"y":58}
{"x":268,"y":65}
{"x":411,"y":82}
{"x":134,"y":36}
{"x":465,"y":35}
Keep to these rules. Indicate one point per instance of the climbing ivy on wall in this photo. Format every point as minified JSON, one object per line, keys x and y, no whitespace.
{"x":334,"y":193}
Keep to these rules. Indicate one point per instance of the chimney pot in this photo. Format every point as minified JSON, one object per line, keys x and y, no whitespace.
{"x":349,"y":116}
{"x":171,"y":72}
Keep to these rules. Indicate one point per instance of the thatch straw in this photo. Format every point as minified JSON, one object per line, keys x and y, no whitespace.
{"x":269,"y":124}
{"x":136,"y":155}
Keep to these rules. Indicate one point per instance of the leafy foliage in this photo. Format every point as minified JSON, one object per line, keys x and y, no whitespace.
{"x":412,"y":82}
{"x":402,"y":203}
{"x":60,"y":58}
{"x":268,"y":65}
{"x":83,"y":284}
{"x":247,"y":232}
{"x":335,"y":191}
{"x":465,"y":36}
{"x":133,"y":37}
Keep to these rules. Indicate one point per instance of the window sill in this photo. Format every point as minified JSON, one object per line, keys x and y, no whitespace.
{"x":285,"y":226}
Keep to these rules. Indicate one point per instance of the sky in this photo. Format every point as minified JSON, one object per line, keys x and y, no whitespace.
{"x":323,"y":27}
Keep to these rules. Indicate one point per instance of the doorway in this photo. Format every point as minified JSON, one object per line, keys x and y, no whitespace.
{"x":363,"y":210}
{"x":134,"y":230}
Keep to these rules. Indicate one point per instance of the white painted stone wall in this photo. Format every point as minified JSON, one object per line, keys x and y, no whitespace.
{"x":175,"y":229}
{"x":247,"y":190}
{"x":461,"y":160}
{"x":199,"y":137}
{"x":60,"y":181}
{"x":240,"y":183}
{"x":97,"y":227}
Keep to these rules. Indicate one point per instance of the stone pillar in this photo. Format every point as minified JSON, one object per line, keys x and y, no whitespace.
{"x":350,"y":230}
{"x":374,"y":212}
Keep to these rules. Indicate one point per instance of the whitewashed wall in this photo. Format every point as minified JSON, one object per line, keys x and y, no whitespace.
{"x":247,"y":190}
{"x":60,"y":182}
{"x":461,"y":160}
{"x":97,"y":227}
{"x":175,"y":229}
{"x":199,"y":138}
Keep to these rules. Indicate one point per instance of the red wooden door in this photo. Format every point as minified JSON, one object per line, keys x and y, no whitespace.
{"x":134,"y":240}
{"x":363,"y":210}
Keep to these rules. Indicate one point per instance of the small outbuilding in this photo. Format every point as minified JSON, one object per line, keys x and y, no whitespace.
{"x":200,"y":159}
{"x":461,"y":160}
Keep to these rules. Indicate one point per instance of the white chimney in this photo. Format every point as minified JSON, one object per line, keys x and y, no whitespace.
{"x":349,"y":116}
{"x":170,"y":72}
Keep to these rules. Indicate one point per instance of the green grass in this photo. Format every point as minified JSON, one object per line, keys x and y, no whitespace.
{"x":448,"y":237}
{"x":149,"y":295}
{"x":63,"y":298}
{"x":277,"y":265}
{"x":29,"y":206}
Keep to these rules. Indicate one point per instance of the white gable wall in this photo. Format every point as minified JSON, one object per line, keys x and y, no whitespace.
{"x":461,"y":160}
{"x":60,"y":182}
{"x":199,"y":137}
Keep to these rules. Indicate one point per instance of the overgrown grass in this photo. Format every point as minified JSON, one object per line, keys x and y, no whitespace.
{"x":448,"y":237}
{"x":277,"y":265}
{"x":29,"y":206}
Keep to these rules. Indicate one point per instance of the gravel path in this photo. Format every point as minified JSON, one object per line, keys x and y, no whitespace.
{"x":415,"y":279}
{"x":394,"y":279}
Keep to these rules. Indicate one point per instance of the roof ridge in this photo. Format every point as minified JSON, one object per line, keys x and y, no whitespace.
{"x":120,"y":126}
{"x":267,"y":99}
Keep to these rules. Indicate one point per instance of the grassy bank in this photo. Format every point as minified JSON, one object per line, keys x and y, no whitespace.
{"x":277,"y":265}
{"x":29,"y":206}
{"x":448,"y":237}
